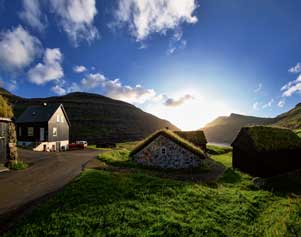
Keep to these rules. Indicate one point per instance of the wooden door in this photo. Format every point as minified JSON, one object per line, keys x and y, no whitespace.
{"x":3,"y":158}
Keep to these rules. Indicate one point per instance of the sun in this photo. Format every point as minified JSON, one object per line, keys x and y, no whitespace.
{"x":192,"y":114}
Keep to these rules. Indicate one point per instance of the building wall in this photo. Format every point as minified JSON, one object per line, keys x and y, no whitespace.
{"x":52,"y":146}
{"x":8,"y":149}
{"x":176,"y":157}
{"x":23,"y":136}
{"x":62,"y":127}
{"x":266,"y":164}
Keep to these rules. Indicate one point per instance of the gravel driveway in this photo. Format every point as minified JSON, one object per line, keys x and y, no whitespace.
{"x":47,"y":173}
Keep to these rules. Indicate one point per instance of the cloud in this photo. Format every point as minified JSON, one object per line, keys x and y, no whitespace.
{"x":269,"y":104}
{"x":58,"y":90}
{"x":292,"y":87}
{"x":79,"y":69}
{"x":112,"y":88}
{"x":295,"y":69}
{"x":49,"y":70}
{"x":76,"y":18}
{"x":154,"y":16}
{"x":281,"y":103}
{"x":259,"y":88}
{"x":177,"y":102}
{"x":256,"y":105}
{"x":18,"y":49}
{"x":32,"y":14}
{"x":176,"y":42}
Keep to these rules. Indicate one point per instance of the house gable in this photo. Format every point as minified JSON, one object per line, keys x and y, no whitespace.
{"x":164,"y":152}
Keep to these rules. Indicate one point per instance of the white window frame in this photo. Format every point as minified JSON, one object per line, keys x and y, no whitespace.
{"x":62,"y":119}
{"x":54,"y":131}
{"x":58,"y":118}
{"x":30,"y":131}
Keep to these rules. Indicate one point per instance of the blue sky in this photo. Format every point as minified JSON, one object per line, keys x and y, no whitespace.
{"x":187,"y":61}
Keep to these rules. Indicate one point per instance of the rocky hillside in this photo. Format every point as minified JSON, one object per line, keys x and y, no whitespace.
{"x":225,"y":129}
{"x":97,"y":118}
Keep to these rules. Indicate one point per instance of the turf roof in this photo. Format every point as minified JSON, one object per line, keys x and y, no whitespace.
{"x":265,"y":138}
{"x":195,"y":137}
{"x":174,"y":137}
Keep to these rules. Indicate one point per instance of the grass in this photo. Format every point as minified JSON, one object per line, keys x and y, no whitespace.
{"x":298,"y":132}
{"x":105,"y":203}
{"x":18,"y":165}
{"x":218,"y":150}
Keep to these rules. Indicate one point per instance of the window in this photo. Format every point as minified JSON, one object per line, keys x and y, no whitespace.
{"x":62,"y":118}
{"x":30,"y":131}
{"x":54,"y":132}
{"x":58,"y":118}
{"x":20,"y":131}
{"x":163,"y":151}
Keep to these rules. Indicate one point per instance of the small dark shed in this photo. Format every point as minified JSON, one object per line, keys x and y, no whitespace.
{"x":4,"y":123}
{"x":197,"y":138}
{"x":266,"y":151}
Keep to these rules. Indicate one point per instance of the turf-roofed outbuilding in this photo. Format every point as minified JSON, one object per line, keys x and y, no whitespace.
{"x":165,"y":149}
{"x":197,"y":138}
{"x":266,"y":151}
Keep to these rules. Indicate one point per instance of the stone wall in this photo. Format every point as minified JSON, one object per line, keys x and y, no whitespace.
{"x":12,"y":143}
{"x":175,"y":157}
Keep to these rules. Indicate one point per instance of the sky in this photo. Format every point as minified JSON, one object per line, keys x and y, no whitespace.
{"x":188,"y":61}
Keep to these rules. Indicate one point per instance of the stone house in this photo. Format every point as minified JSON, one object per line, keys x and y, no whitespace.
{"x":266,"y":151}
{"x":8,"y":147}
{"x":165,"y":149}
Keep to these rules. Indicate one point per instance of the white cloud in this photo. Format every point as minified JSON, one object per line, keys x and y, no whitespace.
{"x":178,"y":102}
{"x":49,"y":70}
{"x":145,"y":17}
{"x":258,"y":88}
{"x":292,"y":87}
{"x":76,"y":18}
{"x":295,"y":69}
{"x":57,"y":89}
{"x":256,"y":105}
{"x":32,"y":14}
{"x":79,"y":69}
{"x":18,"y":49}
{"x":281,"y":103}
{"x":92,"y":81}
{"x":113,"y":88}
{"x":176,"y":42}
{"x":269,"y":104}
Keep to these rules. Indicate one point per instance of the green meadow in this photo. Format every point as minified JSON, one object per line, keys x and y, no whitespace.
{"x":120,"y":203}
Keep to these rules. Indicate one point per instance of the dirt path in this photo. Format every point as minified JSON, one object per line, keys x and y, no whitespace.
{"x":48,"y":172}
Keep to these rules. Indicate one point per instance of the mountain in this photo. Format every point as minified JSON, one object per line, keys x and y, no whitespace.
{"x":225,"y":129}
{"x":97,"y":118}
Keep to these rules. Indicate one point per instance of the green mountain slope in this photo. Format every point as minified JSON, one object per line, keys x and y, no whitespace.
{"x":97,"y":118}
{"x":225,"y":129}
{"x":291,"y":119}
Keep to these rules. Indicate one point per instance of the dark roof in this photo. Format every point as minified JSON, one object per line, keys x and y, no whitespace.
{"x":197,"y":138}
{"x":40,"y":113}
{"x":174,"y":137}
{"x":265,"y":138}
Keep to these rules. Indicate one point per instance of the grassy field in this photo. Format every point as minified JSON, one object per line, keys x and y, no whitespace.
{"x":105,"y":203}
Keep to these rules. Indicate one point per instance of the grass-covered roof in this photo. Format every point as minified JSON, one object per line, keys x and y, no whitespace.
{"x":5,"y":109}
{"x":174,"y":137}
{"x":266,"y":138}
{"x":195,"y":137}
